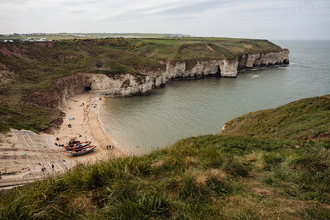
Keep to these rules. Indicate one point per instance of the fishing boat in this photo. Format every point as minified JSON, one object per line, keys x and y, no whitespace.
{"x":78,"y":146}
{"x":83,"y":151}
{"x":73,"y":141}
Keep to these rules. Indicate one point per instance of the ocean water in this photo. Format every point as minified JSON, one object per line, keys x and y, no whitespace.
{"x":185,"y":108}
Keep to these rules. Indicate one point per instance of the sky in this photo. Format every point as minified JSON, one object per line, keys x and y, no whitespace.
{"x":258,"y":19}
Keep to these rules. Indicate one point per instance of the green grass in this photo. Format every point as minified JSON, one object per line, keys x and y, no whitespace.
{"x":34,"y":66}
{"x":182,"y":49}
{"x":300,"y":120}
{"x":90,"y":35}
{"x":207,"y":177}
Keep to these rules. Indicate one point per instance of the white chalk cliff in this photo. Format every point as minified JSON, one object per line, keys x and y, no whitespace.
{"x":135,"y":84}
{"x":225,"y":68}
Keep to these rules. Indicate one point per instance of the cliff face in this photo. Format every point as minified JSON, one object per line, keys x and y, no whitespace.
{"x":114,"y":85}
{"x":135,"y":84}
{"x":157,"y":78}
{"x":266,"y":59}
{"x":225,"y":68}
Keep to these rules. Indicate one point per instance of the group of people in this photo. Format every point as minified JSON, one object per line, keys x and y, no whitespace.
{"x":110,"y":146}
{"x":43,"y":167}
{"x":59,"y":145}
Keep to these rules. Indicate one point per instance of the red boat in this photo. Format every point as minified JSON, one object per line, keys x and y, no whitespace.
{"x":83,"y":151}
{"x":78,"y":145}
{"x":73,"y":141}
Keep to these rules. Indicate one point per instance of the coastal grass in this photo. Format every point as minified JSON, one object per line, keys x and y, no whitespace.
{"x":226,"y":176}
{"x":182,"y":49}
{"x":30,"y":68}
{"x":212,"y":176}
{"x":305,"y":119}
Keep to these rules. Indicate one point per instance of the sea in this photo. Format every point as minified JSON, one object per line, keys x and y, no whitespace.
{"x":186,"y":108}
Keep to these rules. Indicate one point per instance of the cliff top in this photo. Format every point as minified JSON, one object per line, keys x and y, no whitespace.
{"x":181,"y":49}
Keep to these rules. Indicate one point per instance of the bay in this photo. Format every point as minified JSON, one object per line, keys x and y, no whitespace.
{"x":185,"y":108}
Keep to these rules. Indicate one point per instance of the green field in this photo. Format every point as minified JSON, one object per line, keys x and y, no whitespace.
{"x":226,"y":176}
{"x":88,"y":35}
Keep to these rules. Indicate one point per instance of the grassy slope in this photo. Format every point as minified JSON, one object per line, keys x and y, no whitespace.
{"x":206,"y":177}
{"x":181,"y":49}
{"x":300,"y":120}
{"x":34,"y":66}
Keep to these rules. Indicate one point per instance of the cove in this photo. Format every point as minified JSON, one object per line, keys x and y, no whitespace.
{"x":185,"y":108}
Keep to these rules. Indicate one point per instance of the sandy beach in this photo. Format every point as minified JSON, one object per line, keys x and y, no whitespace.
{"x":85,"y":125}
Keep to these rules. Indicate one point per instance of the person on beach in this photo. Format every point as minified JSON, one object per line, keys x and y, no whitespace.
{"x":52,"y":166}
{"x":28,"y":168}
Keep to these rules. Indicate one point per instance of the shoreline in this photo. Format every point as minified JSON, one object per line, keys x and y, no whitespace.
{"x":19,"y":158}
{"x":86,"y":123}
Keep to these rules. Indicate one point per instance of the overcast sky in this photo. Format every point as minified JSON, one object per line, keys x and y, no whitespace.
{"x":271,"y":19}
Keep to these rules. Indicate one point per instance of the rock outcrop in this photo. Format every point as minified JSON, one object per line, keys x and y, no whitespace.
{"x":224,"y":68}
{"x":113,"y":85}
{"x":157,"y":77}
{"x":135,"y":84}
{"x":249,"y":61}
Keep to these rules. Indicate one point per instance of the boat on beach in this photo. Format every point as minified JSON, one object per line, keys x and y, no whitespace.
{"x":83,"y":151}
{"x":78,"y":145}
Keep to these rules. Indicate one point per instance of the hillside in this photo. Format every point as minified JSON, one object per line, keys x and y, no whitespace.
{"x":180,"y":49}
{"x":32,"y":73}
{"x":28,"y":69}
{"x":306,"y":119}
{"x":240,"y":174}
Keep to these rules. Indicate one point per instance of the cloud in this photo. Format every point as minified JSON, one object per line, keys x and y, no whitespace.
{"x":251,"y":18}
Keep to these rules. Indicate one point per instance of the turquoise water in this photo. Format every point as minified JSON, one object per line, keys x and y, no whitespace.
{"x":188,"y":108}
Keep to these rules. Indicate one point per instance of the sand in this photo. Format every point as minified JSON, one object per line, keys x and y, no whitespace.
{"x":83,"y":109}
{"x":84,"y":126}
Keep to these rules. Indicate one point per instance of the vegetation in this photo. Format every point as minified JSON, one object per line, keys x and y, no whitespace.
{"x":306,"y":119}
{"x":207,"y":177}
{"x":60,"y":36}
{"x":183,"y":49}
{"x":29,"y":68}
